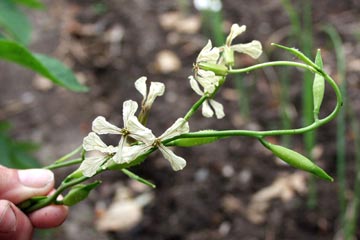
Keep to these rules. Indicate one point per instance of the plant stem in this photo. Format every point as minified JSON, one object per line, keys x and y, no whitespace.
{"x":64,"y":164}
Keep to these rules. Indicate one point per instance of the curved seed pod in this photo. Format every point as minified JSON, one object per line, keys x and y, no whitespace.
{"x":296,"y":160}
{"x":318,"y":86}
{"x":79,"y":193}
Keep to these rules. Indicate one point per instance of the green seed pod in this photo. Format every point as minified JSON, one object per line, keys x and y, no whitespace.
{"x":190,"y":142}
{"x":297,"y":160}
{"x":318,"y":86}
{"x":79,"y":193}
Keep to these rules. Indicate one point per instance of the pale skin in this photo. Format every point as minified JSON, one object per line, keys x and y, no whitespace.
{"x":17,"y":186}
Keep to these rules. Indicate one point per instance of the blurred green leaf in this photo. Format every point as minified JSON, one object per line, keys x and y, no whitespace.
{"x":16,"y":154}
{"x":14,"y":22}
{"x":46,"y":66}
{"x":30,"y":3}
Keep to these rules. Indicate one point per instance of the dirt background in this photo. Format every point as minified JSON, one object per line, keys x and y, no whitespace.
{"x":232,"y":189}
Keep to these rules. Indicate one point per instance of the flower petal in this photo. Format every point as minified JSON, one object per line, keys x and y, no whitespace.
{"x":206,"y":110}
{"x":218,"y":108}
{"x":177,"y":163}
{"x":156,"y":89}
{"x":179,"y":127}
{"x":129,"y":154}
{"x":208,"y":80}
{"x":195,"y":86}
{"x":93,"y":142}
{"x":118,"y":156}
{"x":253,"y":49}
{"x":235,"y":31}
{"x":139,"y":131}
{"x":140,"y":85}
{"x":101,"y":126}
{"x":91,"y":164}
{"x":129,"y":109}
{"x":208,"y":54}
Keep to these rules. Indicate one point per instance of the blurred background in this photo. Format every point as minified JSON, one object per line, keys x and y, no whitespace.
{"x":231,"y":189}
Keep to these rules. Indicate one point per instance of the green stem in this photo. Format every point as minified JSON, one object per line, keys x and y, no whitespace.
{"x":64,"y":164}
{"x":69,"y":155}
{"x":52,"y":199}
{"x":194,"y":108}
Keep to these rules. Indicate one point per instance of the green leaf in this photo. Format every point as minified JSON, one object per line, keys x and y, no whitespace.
{"x":31,"y":3}
{"x":318,"y":86}
{"x":14,"y":22}
{"x":48,"y":67}
{"x":13,"y":153}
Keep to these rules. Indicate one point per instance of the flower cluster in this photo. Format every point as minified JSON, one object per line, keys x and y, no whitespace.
{"x":136,"y":139}
{"x":222,"y":57}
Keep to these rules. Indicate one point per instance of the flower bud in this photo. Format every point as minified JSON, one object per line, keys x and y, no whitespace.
{"x":79,"y":193}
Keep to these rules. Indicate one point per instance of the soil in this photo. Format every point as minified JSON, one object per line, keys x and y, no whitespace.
{"x":213,"y":196}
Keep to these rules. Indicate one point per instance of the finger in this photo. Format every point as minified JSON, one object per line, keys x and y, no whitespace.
{"x":14,"y":224}
{"x":19,"y":185}
{"x":49,"y":217}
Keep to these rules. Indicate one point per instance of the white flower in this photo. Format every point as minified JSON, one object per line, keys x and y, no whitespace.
{"x":209,"y":105}
{"x":208,"y":80}
{"x":90,"y":165}
{"x":132,"y":128}
{"x":156,"y":89}
{"x":208,"y":54}
{"x":253,"y":48}
{"x":177,"y":163}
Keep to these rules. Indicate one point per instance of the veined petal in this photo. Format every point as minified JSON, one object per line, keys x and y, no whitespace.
{"x":139,"y":131}
{"x":195,"y":86}
{"x":91,"y":164}
{"x":131,"y":153}
{"x":93,"y":142}
{"x":253,"y":49}
{"x":140,"y":85}
{"x":177,"y":163}
{"x":118,"y":156}
{"x":101,"y":126}
{"x":208,"y":80}
{"x":235,"y":31}
{"x":208,"y":54}
{"x":156,"y":89}
{"x":206,"y":110}
{"x":218,"y":108}
{"x":129,"y":109}
{"x":179,"y":127}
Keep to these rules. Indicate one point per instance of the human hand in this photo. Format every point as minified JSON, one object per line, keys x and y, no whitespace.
{"x":17,"y":186}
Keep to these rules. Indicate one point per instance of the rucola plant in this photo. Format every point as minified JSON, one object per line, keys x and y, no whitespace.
{"x":137,"y":142}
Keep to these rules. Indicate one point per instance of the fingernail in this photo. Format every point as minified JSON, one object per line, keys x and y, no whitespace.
{"x":7,"y":218}
{"x":36,"y":178}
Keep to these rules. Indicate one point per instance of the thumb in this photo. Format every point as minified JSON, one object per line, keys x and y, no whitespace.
{"x":19,"y":185}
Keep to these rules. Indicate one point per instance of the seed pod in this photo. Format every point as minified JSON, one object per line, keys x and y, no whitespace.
{"x":190,"y":142}
{"x":296,"y":160}
{"x":79,"y":193}
{"x":318,"y":86}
